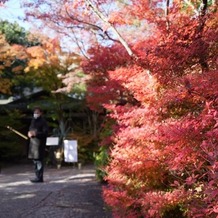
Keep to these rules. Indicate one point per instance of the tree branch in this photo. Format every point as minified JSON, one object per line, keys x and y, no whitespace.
{"x":202,"y":19}
{"x":93,"y":26}
{"x":105,"y":20}
{"x":167,"y":13}
{"x":203,"y":7}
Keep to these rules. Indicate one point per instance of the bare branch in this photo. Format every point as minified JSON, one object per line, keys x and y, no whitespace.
{"x":81,"y":49}
{"x":167,"y":13}
{"x":74,"y":38}
{"x":203,"y":7}
{"x":105,"y":20}
{"x":93,"y":26}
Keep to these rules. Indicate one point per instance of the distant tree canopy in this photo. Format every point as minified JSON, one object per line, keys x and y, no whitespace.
{"x":15,"y":34}
{"x":28,"y":60}
{"x":14,"y":39}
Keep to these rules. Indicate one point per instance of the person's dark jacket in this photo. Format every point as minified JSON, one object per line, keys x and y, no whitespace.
{"x":37,"y":144}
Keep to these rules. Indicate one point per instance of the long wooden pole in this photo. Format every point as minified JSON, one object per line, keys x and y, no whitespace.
{"x":18,"y":133}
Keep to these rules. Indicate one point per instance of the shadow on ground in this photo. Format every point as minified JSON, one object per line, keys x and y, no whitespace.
{"x":66,"y":192}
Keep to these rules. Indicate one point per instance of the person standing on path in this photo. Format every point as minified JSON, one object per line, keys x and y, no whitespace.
{"x":37,"y":134}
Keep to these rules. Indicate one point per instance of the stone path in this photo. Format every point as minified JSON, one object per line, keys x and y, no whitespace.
{"x":66,"y":193}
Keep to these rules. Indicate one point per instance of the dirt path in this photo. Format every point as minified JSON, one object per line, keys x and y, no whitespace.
{"x":66,"y":193}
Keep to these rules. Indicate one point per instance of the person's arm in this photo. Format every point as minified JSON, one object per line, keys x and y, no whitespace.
{"x":31,"y":133}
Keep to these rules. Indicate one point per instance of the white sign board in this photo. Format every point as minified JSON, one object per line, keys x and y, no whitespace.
{"x":70,"y":151}
{"x":52,"y":141}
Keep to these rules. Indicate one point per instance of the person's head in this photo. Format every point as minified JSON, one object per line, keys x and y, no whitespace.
{"x":37,"y":112}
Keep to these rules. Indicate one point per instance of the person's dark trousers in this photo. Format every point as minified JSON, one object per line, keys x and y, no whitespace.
{"x":39,"y":168}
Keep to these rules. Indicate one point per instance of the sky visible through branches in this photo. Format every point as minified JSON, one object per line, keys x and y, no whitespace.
{"x":12,"y":12}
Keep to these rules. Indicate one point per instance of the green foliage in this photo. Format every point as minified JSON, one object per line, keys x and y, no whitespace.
{"x":101,"y":160}
{"x":14,"y":65}
{"x":80,"y":74}
{"x":79,"y":90}
{"x":15,"y":34}
{"x":12,"y":147}
{"x":173,"y":212}
{"x":102,"y":156}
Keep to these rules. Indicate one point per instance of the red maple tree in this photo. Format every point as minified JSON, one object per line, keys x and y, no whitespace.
{"x":160,"y":88}
{"x":163,"y":158}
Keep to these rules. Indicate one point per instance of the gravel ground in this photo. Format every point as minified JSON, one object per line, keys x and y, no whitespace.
{"x":67,"y":192}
